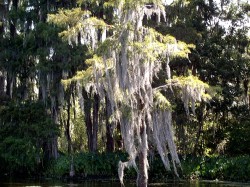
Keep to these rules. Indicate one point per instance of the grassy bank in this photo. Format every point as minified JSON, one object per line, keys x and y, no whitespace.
{"x":87,"y":165}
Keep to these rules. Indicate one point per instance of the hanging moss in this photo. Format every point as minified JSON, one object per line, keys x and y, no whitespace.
{"x":192,"y":90}
{"x":124,"y":71}
{"x":161,"y":101}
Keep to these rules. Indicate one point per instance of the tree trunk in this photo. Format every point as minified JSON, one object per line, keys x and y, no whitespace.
{"x":1,"y":84}
{"x":13,"y":22}
{"x":91,"y":121}
{"x":54,"y":147}
{"x":119,"y":140}
{"x":246,"y":90}
{"x":142,"y":178}
{"x":110,"y":144}
{"x":24,"y":89}
{"x":54,"y":113}
{"x":88,"y":121}
{"x":198,"y":145}
{"x":12,"y":26}
{"x":197,"y":142}
{"x":43,"y":11}
{"x":42,"y":94}
{"x":95,"y":121}
{"x":56,"y":96}
{"x":67,"y":128}
{"x":10,"y":84}
{"x":2,"y":9}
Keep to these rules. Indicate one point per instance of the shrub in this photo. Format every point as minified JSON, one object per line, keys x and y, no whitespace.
{"x":24,"y":129}
{"x":219,"y":167}
{"x":95,"y":165}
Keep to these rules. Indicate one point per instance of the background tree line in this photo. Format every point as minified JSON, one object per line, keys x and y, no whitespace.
{"x":42,"y":115}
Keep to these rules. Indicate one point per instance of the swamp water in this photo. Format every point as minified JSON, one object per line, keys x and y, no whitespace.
{"x":117,"y":184}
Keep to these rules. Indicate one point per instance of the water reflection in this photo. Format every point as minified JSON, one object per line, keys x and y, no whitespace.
{"x":117,"y":184}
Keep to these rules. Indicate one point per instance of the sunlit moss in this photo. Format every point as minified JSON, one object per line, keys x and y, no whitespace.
{"x":161,"y":102}
{"x":192,"y":90}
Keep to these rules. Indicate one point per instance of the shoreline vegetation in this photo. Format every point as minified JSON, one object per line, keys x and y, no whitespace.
{"x":113,"y":89}
{"x":99,"y":167}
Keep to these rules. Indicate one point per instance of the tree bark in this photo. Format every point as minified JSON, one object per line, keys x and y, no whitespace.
{"x":10,"y":84}
{"x":54,"y":147}
{"x":54,"y":114}
{"x":198,"y":145}
{"x":2,"y":77}
{"x":2,"y":10}
{"x":13,"y":22}
{"x":43,"y":11}
{"x":91,"y":121}
{"x":110,"y":144}
{"x":1,"y":84}
{"x":142,"y":178}
{"x":246,"y":90}
{"x":55,"y":98}
{"x":95,"y":121}
{"x":24,"y":88}
{"x":67,"y":128}
{"x":88,"y":121}
{"x":119,"y":140}
{"x":12,"y":26}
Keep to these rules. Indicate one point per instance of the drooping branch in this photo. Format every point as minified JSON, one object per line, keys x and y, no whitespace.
{"x":122,"y":69}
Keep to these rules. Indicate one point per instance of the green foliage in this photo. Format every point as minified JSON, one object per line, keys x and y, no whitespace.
{"x":221,"y":168}
{"x":238,"y":132}
{"x":24,"y":129}
{"x":89,"y":165}
{"x":193,"y":83}
{"x":161,"y":101}
{"x":239,"y":139}
{"x":75,"y":21}
{"x":157,"y":171}
{"x":19,"y":154}
{"x":98,"y":165}
{"x":68,"y":17}
{"x":77,"y":131}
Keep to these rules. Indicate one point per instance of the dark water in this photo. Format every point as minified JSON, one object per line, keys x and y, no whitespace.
{"x":116,"y":184}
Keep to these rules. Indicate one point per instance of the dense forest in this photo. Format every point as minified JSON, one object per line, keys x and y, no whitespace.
{"x":101,"y":85}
